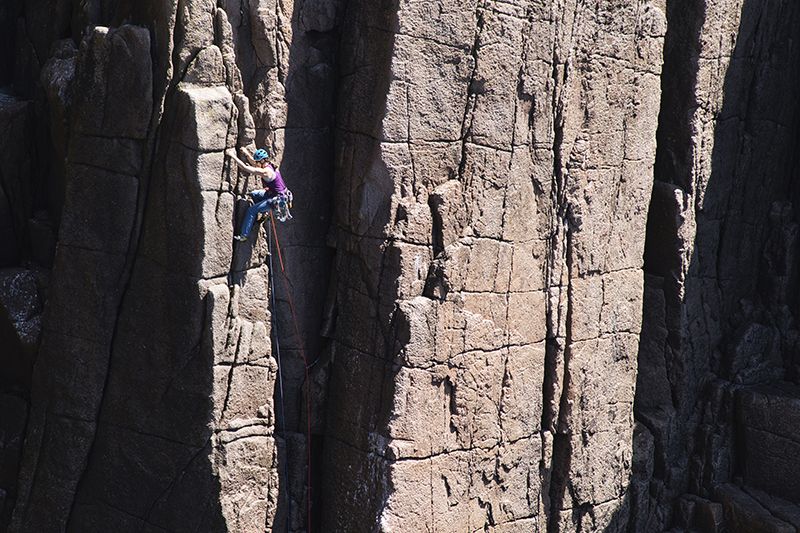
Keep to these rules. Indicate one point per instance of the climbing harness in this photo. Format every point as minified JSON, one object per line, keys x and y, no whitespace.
{"x":280,"y":207}
{"x":277,"y":247}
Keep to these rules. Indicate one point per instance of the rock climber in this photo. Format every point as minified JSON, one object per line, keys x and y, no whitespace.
{"x":273,"y":195}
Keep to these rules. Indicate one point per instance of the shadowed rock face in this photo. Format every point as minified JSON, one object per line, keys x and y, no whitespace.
{"x":721,"y":267}
{"x":542,"y":274}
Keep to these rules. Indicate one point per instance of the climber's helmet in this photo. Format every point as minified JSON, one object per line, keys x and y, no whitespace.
{"x":261,"y":156}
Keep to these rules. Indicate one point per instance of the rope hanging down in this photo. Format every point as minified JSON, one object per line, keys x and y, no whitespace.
{"x":280,"y":370}
{"x":280,"y":382}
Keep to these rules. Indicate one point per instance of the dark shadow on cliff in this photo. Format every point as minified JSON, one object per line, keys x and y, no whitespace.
{"x":301,"y":321}
{"x":697,"y":345}
{"x":306,"y":163}
{"x":302,"y":290}
{"x":355,"y":482}
{"x":323,"y":108}
{"x":149,"y":466}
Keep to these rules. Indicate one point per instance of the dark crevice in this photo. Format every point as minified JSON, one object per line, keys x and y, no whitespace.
{"x":715,"y":277}
{"x":562,"y":437}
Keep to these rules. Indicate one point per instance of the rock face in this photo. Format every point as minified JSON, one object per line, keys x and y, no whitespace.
{"x":151,"y":397}
{"x":721,"y":260}
{"x":496,"y":343}
{"x":542,"y":274}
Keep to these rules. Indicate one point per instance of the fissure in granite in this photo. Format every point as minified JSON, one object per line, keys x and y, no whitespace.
{"x":475,"y":183}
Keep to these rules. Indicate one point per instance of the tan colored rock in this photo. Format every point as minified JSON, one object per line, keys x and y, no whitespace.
{"x":474,"y":196}
{"x":164,"y":414}
{"x":517,"y":262}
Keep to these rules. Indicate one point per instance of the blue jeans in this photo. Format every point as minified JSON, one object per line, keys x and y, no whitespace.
{"x":262,"y":204}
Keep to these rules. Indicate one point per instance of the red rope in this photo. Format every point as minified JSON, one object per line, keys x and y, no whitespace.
{"x":280,"y":256}
{"x":305,"y":366}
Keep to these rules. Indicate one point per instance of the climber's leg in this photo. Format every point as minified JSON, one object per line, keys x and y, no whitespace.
{"x":250,"y":218}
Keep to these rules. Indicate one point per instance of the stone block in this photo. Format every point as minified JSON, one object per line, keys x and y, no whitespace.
{"x":768,"y":421}
{"x":204,"y":115}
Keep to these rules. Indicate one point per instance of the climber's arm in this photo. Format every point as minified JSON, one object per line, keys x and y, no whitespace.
{"x":246,"y":153}
{"x":241,"y":164}
{"x":266,"y":173}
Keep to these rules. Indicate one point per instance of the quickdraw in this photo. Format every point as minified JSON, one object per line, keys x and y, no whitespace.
{"x":282,"y":205}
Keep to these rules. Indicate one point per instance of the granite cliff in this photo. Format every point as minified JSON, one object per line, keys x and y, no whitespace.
{"x":542,"y":273}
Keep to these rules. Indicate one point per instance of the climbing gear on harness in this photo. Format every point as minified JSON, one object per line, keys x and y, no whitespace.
{"x":260,"y":155}
{"x":282,"y":204}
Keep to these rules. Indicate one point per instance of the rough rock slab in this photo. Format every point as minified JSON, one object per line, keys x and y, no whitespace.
{"x":768,"y":420}
{"x":482,"y":192}
{"x":744,"y":514}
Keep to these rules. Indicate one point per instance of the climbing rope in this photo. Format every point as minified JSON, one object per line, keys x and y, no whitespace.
{"x":280,"y":372}
{"x":280,"y":385}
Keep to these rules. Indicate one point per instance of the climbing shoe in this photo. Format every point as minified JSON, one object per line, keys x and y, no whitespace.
{"x":240,"y":237}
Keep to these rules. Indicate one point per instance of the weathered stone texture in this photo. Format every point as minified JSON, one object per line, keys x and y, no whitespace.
{"x":482,"y":194}
{"x":90,"y":262}
{"x":512,"y":224}
{"x":767,"y":419}
{"x":152,"y":393}
{"x":720,"y":298}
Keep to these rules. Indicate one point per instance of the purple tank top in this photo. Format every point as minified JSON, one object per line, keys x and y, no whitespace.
{"x":276,"y":186}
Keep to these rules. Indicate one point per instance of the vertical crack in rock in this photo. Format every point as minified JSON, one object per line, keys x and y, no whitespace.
{"x":291,"y":84}
{"x":562,"y":447}
{"x":471,"y":284}
{"x":556,"y":381}
{"x":466,"y":123}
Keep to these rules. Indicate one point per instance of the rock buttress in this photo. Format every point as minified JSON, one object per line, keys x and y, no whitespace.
{"x":490,"y":223}
{"x":151,"y":403}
